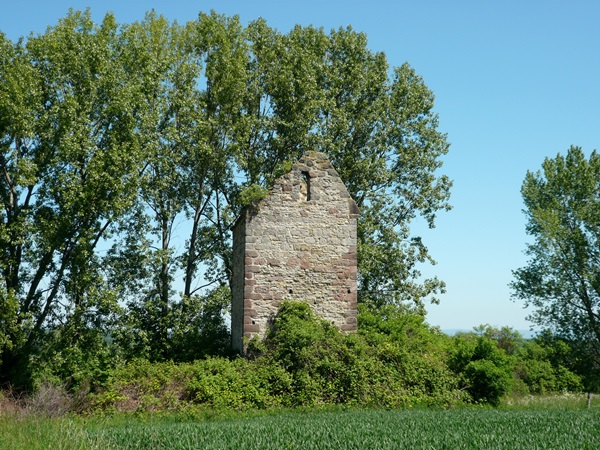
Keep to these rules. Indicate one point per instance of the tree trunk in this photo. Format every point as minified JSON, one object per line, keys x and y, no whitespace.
{"x":164,"y":282}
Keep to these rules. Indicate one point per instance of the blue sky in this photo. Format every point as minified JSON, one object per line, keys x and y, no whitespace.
{"x":515,"y":82}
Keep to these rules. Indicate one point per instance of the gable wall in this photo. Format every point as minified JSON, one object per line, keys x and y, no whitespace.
{"x":299,"y":244}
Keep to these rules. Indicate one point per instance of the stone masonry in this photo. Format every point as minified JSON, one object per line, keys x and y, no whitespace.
{"x":298,"y":243}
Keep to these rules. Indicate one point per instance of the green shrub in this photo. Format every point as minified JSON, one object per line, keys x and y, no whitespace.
{"x":375,"y":367}
{"x":238,"y":384}
{"x":542,"y":372}
{"x":395,"y":361}
{"x":486,"y":370}
{"x":487,"y":381}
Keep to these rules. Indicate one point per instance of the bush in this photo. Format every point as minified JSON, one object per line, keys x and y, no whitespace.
{"x":544,"y":373}
{"x":487,"y":381}
{"x":303,"y":361}
{"x":371,"y":368}
{"x":237,"y":384}
{"x":486,"y":370}
{"x":395,"y":360}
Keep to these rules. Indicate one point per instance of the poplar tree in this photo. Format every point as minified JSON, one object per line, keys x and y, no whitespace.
{"x":561,"y":280}
{"x":70,"y":161}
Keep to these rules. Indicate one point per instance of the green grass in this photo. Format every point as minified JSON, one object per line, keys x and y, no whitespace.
{"x":555,"y":401}
{"x":43,"y":433}
{"x":362,"y":429}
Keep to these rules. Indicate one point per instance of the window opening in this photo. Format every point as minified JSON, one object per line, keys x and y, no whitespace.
{"x":306,"y":178}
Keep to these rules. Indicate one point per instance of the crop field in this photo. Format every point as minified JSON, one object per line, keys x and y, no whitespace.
{"x":368,"y":429}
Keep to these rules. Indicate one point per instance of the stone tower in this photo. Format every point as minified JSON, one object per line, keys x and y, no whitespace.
{"x":298,"y":243}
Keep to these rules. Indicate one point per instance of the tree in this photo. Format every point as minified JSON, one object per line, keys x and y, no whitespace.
{"x":69,"y":161}
{"x":562,"y":278}
{"x":177,"y":185}
{"x":484,"y":367}
{"x":309,"y":90}
{"x":507,"y":339}
{"x":157,"y":58}
{"x":548,"y":364}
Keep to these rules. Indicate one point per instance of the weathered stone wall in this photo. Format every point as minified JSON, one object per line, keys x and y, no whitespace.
{"x":299,"y":243}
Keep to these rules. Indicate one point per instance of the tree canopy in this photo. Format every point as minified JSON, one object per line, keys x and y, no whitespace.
{"x":562,"y":278}
{"x":127,"y":152}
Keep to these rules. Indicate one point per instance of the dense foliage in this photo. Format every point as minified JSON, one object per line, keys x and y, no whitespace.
{"x":562,"y":278}
{"x":127,"y":151}
{"x":396,"y":360}
{"x":304,"y":361}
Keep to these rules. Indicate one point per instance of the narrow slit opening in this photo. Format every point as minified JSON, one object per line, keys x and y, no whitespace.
{"x":306,"y":178}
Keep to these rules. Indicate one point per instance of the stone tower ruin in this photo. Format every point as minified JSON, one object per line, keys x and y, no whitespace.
{"x":298,"y":243}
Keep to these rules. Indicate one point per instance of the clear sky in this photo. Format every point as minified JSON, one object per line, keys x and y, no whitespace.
{"x":515,"y":81}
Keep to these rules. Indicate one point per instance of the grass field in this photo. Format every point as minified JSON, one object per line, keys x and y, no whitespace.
{"x":363,"y":429}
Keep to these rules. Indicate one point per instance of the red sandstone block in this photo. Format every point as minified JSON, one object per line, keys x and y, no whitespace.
{"x":251,"y":253}
{"x":348,"y":327}
{"x":254,"y":296}
{"x":251,"y":328}
{"x":351,"y":320}
{"x":253,"y":269}
{"x":260,"y":261}
{"x":249,"y":282}
{"x":250,"y":312}
{"x":248,"y":303}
